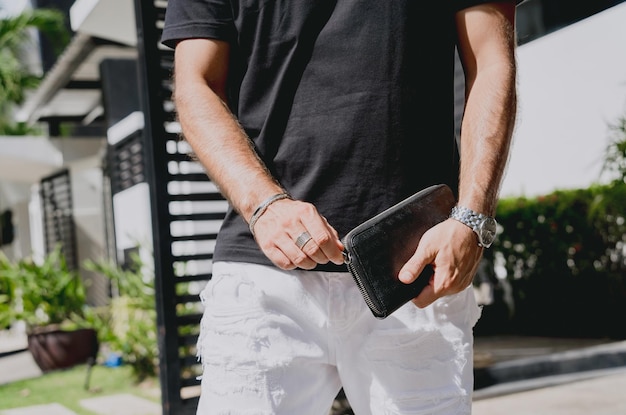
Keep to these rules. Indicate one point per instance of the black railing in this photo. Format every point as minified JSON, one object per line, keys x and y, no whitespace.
{"x":58,"y":218}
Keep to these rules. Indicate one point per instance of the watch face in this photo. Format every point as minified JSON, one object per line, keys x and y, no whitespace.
{"x":487,"y":232}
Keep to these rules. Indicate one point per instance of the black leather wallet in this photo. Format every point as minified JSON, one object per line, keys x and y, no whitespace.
{"x":377,"y":249}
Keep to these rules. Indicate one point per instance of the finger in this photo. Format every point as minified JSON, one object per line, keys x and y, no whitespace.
{"x":326,"y":246}
{"x":279,"y":259}
{"x":426,"y":297}
{"x":295,"y":254}
{"x":412,"y":269}
{"x":313,"y":251}
{"x":334,"y":248}
{"x":424,"y":255}
{"x":306,"y":243}
{"x":284,"y":253}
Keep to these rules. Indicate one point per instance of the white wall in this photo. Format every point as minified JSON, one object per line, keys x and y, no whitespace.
{"x":12,"y":7}
{"x":572,"y":85}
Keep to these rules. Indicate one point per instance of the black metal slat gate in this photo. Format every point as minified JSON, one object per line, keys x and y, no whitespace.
{"x":58,"y":218}
{"x":187,"y":210}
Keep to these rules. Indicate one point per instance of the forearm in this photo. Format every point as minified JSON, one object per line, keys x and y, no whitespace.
{"x":231,"y":162}
{"x":223,"y":148}
{"x":487,"y":129}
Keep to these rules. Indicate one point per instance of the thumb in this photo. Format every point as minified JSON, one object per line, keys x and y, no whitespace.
{"x":413,"y":268}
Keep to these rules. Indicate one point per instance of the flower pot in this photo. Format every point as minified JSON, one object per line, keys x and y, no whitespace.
{"x":53,"y":348}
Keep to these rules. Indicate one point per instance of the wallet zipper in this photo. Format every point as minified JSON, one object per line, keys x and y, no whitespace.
{"x":357,"y":278}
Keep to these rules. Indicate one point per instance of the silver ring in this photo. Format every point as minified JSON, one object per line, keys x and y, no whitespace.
{"x":303,"y":239}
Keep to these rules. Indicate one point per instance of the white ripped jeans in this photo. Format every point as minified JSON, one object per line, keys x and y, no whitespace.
{"x":285,"y":342}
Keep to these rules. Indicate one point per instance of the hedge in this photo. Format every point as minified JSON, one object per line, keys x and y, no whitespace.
{"x":559,"y":265}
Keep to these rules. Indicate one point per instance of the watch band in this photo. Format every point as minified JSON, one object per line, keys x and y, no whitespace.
{"x":485,"y":227}
{"x":467,"y":216}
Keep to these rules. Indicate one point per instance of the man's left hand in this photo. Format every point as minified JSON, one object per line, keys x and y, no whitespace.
{"x":453,"y":251}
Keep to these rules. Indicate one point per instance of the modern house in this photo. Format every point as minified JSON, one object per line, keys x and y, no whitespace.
{"x":122,"y":182}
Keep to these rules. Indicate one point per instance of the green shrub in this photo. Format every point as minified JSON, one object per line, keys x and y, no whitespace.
{"x":16,"y":78}
{"x":41,"y":294}
{"x":128,"y":325}
{"x":564,"y":256}
{"x":6,"y":297}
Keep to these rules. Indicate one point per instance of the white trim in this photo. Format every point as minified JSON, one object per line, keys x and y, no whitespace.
{"x":124,"y":128}
{"x":60,"y":74}
{"x":96,"y":17}
{"x":79,"y":12}
{"x":79,"y":61}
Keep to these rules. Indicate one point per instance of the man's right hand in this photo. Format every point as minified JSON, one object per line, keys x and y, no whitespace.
{"x":278,"y":228}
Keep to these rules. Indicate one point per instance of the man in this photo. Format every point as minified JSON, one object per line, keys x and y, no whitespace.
{"x":312,"y":116}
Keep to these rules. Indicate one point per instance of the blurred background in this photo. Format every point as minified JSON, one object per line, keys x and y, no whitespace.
{"x":91,"y":166}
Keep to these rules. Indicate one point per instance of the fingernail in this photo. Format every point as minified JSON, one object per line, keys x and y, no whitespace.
{"x":405,"y":276}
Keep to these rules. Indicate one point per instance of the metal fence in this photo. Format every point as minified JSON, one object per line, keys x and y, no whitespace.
{"x":58,"y":219}
{"x":187,"y":211}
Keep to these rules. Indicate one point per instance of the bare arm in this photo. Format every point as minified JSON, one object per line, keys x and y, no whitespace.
{"x":486,"y":46}
{"x":211,"y":129}
{"x":221,"y":145}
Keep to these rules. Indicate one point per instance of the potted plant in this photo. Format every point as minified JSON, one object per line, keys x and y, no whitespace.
{"x":50,"y":299}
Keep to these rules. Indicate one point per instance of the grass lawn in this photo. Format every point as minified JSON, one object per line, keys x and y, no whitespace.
{"x":67,"y":387}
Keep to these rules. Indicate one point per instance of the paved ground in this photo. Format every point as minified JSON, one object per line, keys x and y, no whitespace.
{"x":600,"y":393}
{"x":538,"y":376}
{"x":20,"y":365}
{"x":120,"y":404}
{"x":518,"y":376}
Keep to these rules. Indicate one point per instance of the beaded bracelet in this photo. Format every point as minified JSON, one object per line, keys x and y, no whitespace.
{"x":260,"y":210}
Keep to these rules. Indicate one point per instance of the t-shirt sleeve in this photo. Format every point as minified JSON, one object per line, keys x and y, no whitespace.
{"x":206,"y":19}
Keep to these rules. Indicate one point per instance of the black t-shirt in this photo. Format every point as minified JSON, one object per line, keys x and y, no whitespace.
{"x":348,"y":102}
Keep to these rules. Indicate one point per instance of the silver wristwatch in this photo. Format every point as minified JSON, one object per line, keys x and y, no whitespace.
{"x":484,"y":226}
